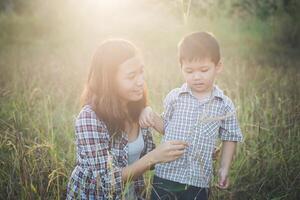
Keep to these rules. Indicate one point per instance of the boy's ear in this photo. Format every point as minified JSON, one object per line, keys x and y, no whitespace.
{"x":219,"y":66}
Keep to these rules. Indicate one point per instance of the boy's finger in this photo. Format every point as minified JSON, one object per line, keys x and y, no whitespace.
{"x":223,"y":187}
{"x":220,"y":186}
{"x":223,"y":183}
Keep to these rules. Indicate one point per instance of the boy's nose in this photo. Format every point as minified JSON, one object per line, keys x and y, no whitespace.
{"x":197,"y":76}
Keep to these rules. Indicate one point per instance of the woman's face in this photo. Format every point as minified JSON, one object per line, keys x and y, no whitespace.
{"x":130,"y":79}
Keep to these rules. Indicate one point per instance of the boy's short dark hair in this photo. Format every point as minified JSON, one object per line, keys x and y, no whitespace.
{"x":199,"y":45}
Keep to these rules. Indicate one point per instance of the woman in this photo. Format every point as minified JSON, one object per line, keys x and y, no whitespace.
{"x":111,"y":147}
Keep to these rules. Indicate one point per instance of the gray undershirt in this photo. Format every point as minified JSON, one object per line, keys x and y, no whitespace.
{"x":135,"y":149}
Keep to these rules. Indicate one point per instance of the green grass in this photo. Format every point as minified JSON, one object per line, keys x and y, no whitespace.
{"x":43,"y":68}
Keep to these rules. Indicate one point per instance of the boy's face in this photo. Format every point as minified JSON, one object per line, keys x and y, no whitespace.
{"x":200,"y":74}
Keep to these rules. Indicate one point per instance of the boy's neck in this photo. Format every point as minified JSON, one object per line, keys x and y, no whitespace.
{"x":204,"y":94}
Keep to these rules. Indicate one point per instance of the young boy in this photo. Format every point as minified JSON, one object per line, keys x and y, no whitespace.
{"x":198,"y":112}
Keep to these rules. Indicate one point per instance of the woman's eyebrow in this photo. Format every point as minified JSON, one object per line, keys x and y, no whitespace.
{"x":132,"y":71}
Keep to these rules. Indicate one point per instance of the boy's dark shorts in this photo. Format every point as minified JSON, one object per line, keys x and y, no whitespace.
{"x":164,"y":189}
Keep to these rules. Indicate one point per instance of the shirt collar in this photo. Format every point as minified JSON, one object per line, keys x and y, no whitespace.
{"x":217,"y":92}
{"x":185,"y":89}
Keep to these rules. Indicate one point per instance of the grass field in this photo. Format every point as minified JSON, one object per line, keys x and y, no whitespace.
{"x":43,"y":66}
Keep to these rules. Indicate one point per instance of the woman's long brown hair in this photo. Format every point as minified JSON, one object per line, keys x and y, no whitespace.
{"x":100,"y":89}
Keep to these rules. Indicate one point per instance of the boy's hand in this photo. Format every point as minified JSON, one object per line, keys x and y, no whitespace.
{"x":223,"y":182}
{"x":146,"y":117}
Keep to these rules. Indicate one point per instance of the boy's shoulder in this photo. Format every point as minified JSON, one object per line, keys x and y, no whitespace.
{"x":172,"y":95}
{"x":226,"y":100}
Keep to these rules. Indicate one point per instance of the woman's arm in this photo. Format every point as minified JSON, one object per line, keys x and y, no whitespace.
{"x":166,"y":152}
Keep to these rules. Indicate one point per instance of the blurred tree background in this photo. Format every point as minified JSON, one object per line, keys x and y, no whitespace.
{"x":45,"y":50}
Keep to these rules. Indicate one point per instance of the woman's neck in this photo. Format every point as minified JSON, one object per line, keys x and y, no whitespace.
{"x":132,"y":130}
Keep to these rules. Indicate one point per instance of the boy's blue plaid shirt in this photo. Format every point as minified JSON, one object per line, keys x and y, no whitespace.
{"x":200,"y":124}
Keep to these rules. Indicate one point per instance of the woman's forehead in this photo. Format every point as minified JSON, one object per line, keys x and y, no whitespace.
{"x":132,"y":64}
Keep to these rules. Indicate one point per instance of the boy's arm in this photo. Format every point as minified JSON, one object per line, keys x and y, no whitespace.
{"x":230,"y":133}
{"x":228,"y":151}
{"x":149,"y":118}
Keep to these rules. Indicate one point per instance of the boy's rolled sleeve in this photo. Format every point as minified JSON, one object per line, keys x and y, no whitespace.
{"x":230,"y":129}
{"x":168,"y":108}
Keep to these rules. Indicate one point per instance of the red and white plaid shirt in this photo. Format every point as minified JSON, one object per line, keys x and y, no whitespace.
{"x":98,"y":172}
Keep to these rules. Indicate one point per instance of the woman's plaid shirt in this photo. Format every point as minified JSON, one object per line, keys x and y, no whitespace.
{"x":98,"y":172}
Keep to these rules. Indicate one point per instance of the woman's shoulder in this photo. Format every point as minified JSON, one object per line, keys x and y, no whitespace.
{"x":87,"y":112}
{"x":88,"y":109}
{"x":88,"y":115}
{"x":88,"y":125}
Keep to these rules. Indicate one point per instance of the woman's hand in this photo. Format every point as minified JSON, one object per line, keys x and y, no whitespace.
{"x":146,"y":117}
{"x":168,"y":151}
